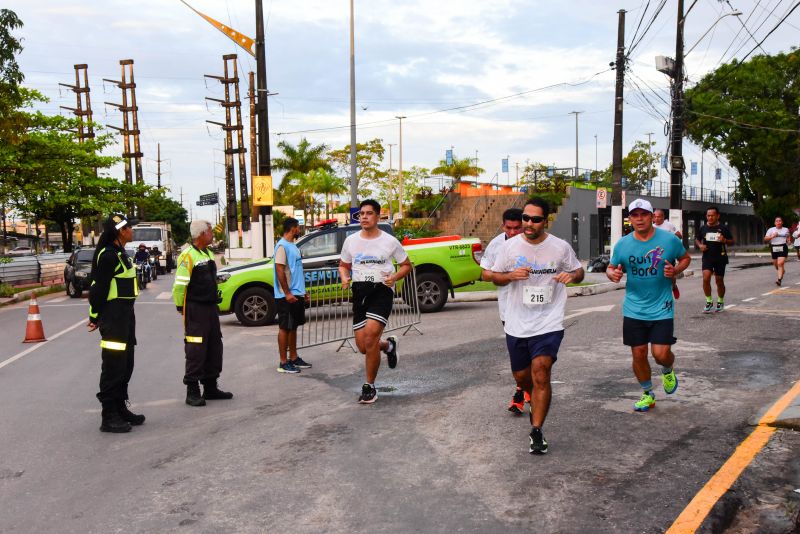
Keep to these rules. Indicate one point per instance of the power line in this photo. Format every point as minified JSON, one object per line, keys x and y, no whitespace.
{"x":468,"y":107}
{"x":758,"y":44}
{"x":656,"y":13}
{"x":745,"y":124}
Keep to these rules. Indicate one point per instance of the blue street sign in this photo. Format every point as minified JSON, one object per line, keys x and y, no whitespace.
{"x":624,"y":182}
{"x":354,"y":214}
{"x":694,"y":167}
{"x":550,"y":171}
{"x":587,"y":175}
{"x":663,"y":162}
{"x":448,"y":156}
{"x":505,"y":165}
{"x":718,"y":174}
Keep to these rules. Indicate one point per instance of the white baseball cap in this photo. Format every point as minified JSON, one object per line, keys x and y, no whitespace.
{"x":640,"y":204}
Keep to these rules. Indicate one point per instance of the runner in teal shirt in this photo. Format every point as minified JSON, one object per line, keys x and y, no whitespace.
{"x":652,"y":258}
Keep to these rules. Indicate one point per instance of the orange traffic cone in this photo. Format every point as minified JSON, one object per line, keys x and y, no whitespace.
{"x":34,"y":331}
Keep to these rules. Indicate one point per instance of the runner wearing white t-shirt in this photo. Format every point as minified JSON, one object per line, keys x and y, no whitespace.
{"x":796,"y":236}
{"x":660,"y":221}
{"x":367,"y":261}
{"x":536,"y":266}
{"x":778,"y":238}
{"x":512,"y":225}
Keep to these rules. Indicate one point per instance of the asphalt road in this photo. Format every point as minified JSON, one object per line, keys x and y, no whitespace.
{"x":438,"y":452}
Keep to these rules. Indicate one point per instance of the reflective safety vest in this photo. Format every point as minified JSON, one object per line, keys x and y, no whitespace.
{"x":123,"y":285}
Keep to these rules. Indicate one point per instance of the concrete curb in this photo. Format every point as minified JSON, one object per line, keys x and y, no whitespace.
{"x":575,"y":291}
{"x":788,"y":418}
{"x":26,"y":295}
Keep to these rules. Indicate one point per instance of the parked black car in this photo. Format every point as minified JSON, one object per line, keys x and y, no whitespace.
{"x":77,"y":271}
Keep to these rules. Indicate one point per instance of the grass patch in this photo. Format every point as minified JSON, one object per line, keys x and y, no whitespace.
{"x":488,"y":286}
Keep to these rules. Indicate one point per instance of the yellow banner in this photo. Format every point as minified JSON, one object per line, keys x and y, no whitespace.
{"x":244,"y":41}
{"x":262,"y":191}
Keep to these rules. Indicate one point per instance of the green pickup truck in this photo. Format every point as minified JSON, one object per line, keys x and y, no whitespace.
{"x":442,"y":264}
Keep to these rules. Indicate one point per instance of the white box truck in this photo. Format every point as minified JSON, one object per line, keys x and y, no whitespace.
{"x":155,"y":234}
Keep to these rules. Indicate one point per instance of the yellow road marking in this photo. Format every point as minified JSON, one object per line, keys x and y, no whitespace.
{"x":696,"y":511}
{"x":767,"y":310}
{"x":785,"y":291}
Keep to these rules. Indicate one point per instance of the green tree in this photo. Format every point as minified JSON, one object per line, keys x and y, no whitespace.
{"x":326,"y":183}
{"x":458,"y":169}
{"x":369,"y":174}
{"x":12,"y":96}
{"x":51,"y":176}
{"x":639,"y":166}
{"x":297,"y":162}
{"x":157,"y":206}
{"x":748,"y":112}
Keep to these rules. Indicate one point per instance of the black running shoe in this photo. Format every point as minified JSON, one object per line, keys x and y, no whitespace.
{"x":368,"y":394}
{"x":391,"y":354}
{"x":300,"y":363}
{"x":538,"y":443}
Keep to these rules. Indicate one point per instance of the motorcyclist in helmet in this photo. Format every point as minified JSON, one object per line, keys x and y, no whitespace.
{"x":141,"y":255}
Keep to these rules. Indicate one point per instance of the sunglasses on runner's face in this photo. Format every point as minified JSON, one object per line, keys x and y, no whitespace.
{"x":532,"y":218}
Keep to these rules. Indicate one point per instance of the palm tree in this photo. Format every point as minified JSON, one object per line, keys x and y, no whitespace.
{"x":298,"y":162}
{"x":458,"y":169}
{"x":327,"y":183}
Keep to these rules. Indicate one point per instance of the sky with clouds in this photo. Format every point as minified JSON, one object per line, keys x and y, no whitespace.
{"x":417,"y":58}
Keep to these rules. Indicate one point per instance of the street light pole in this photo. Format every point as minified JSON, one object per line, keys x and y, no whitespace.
{"x":389,"y":176}
{"x":400,"y":168}
{"x":353,"y":169}
{"x":576,"y":113}
{"x":595,"y":152}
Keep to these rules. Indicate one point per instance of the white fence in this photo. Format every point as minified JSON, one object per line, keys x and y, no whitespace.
{"x":330,"y":317}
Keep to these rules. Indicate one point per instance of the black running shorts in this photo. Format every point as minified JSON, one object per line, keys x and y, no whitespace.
{"x":636,"y":332}
{"x":715,"y":265}
{"x":290,"y":315}
{"x":371,"y":301}
{"x":779,"y":251}
{"x":522,"y":350}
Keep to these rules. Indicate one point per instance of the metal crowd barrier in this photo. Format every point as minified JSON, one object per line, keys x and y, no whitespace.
{"x":329,"y":318}
{"x":42,"y":269}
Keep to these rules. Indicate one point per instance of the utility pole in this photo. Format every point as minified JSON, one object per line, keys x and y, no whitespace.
{"x":400,"y":167}
{"x":391,"y":145}
{"x":677,"y":165}
{"x":595,"y":152}
{"x":228,"y":127}
{"x":251,"y":94}
{"x":649,"y":157}
{"x":616,"y":166}
{"x":576,"y":113}
{"x":353,"y":169}
{"x":264,"y":161}
{"x":127,"y":85}
{"x":83,"y":111}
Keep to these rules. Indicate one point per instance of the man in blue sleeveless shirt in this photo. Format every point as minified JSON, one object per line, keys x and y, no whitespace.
{"x":652,"y":258}
{"x":290,"y":297}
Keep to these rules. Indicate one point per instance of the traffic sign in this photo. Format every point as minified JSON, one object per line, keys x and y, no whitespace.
{"x":262,"y":190}
{"x":210,"y":197}
{"x":602,"y":197}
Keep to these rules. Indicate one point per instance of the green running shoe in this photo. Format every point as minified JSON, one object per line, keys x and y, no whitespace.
{"x":645,"y":403}
{"x":670,"y":382}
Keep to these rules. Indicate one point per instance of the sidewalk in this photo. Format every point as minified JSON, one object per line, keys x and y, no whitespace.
{"x":26,"y":295}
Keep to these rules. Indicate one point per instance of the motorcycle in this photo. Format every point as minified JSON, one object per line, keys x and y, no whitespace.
{"x":142,"y":274}
{"x":152,"y":263}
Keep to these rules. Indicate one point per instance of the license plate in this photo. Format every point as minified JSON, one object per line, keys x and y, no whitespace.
{"x":537,"y":295}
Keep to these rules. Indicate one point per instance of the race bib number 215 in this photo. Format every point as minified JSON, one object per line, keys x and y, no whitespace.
{"x":537,"y":295}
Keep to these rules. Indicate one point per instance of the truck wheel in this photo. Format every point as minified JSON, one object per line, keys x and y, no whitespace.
{"x":255,"y":306}
{"x":431,"y":292}
{"x":73,"y":290}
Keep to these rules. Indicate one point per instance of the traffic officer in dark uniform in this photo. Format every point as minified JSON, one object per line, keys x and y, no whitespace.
{"x":195,"y":295}
{"x":111,"y":298}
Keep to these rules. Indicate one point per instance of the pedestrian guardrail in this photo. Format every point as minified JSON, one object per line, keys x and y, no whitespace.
{"x":329,"y":318}
{"x":43,"y":269}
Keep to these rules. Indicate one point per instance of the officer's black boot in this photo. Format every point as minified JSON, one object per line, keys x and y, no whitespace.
{"x":212,"y":392}
{"x":193,"y":397}
{"x":112,"y":421}
{"x":133,"y":418}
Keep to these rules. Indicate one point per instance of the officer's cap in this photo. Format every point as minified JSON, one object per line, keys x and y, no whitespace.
{"x":118,"y":221}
